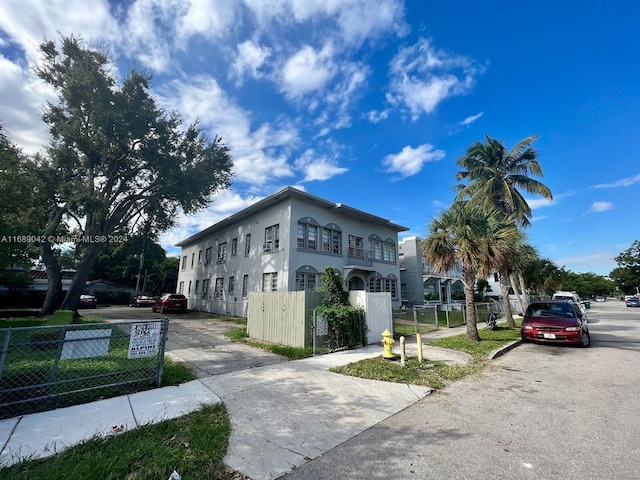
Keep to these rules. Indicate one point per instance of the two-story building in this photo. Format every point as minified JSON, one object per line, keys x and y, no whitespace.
{"x":420,"y":283}
{"x":283,"y":243}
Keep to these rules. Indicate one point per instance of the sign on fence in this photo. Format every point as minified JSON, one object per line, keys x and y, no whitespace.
{"x":85,"y":344}
{"x":144,"y":340}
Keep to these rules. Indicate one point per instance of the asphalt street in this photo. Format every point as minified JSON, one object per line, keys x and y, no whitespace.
{"x":539,"y":412}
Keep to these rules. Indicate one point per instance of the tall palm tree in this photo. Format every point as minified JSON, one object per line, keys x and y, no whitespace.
{"x":496,"y":175}
{"x":478,"y":239}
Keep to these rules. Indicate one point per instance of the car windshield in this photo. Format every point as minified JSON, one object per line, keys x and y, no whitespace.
{"x":550,"y":310}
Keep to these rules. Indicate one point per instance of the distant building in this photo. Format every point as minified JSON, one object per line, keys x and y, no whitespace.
{"x":420,"y":283}
{"x":283,"y":243}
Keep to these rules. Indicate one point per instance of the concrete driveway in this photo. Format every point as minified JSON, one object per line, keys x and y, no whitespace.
{"x":197,"y":339}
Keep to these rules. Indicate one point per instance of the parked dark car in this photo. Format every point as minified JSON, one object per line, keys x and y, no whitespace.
{"x":555,"y":321}
{"x":633,"y":302}
{"x":88,"y":301}
{"x":142,"y":301}
{"x":171,"y":302}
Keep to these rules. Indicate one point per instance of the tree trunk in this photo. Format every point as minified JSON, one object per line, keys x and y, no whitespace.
{"x":504,"y":289}
{"x":54,"y":278}
{"x":516,"y":291}
{"x":525,"y":296}
{"x":472,"y":328}
{"x":72,"y":299}
{"x":53,"y":299}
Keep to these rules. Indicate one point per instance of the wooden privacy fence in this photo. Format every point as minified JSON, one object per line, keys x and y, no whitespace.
{"x":285,"y":318}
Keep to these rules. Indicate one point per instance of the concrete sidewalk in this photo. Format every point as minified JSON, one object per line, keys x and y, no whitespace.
{"x":282,"y":415}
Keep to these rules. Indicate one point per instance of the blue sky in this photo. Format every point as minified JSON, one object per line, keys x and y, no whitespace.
{"x":370,"y":103}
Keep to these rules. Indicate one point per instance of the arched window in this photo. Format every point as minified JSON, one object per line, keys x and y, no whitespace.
{"x":307,"y":278}
{"x":308,"y":231}
{"x":332,"y":239}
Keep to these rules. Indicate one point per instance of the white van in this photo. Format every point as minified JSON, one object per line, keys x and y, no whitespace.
{"x":574,"y":297}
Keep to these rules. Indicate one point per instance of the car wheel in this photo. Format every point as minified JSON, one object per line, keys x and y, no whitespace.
{"x":161,"y":309}
{"x":585,"y":339}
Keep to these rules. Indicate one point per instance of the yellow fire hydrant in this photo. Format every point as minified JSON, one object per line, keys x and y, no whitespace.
{"x":387,"y":343}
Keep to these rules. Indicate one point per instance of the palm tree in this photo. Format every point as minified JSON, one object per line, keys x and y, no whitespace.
{"x":496,"y":176}
{"x":478,"y":239}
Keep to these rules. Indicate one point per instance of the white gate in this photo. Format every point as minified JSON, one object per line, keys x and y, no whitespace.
{"x":378,"y":312}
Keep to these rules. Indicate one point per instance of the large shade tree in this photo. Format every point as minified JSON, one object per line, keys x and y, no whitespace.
{"x":495,"y":177}
{"x":117,"y":159}
{"x":474,"y":237}
{"x":21,"y":212}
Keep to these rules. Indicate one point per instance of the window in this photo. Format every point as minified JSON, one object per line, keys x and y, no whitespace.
{"x":232,"y":285}
{"x":199,"y":257}
{"x":222,"y":252}
{"x":189,"y":289}
{"x":205,"y":288}
{"x":389,"y":251}
{"x":356,"y":247}
{"x":308,"y":234}
{"x":219,"y":288}
{"x":193,"y":257}
{"x":306,"y":278}
{"x":247,"y":245}
{"x":245,"y":286}
{"x":181,"y":287}
{"x":375,"y":247}
{"x":195,"y":290}
{"x":271,"y":238}
{"x":332,"y":239}
{"x":234,"y":247}
{"x":382,"y":251}
{"x":270,"y":282}
{"x":379,"y":284}
{"x":184,"y":262}
{"x":207,"y":255}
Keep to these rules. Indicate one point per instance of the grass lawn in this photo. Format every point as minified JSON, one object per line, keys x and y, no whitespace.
{"x":430,"y":373}
{"x":195,"y":445}
{"x":292,"y":353}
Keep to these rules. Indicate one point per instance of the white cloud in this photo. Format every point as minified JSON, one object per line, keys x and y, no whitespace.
{"x":22,"y":97}
{"x":357,"y":20}
{"x":250,"y":58}
{"x":625,"y":182}
{"x":376,"y":116}
{"x":422,"y":77}
{"x":410,"y":160}
{"x":471,"y":119}
{"x":259,"y":155}
{"x":600,"y":263}
{"x":317,"y":167}
{"x":225,"y":203}
{"x":601,"y":206}
{"x":307,"y":71}
{"x":207,"y":18}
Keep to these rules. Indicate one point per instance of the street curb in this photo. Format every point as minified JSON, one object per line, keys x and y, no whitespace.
{"x":498,"y":352}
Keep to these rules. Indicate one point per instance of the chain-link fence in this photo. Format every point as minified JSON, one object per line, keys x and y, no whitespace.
{"x":423,"y":319}
{"x":42,"y":368}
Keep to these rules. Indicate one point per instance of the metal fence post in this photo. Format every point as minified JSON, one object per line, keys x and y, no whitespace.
{"x":415,"y":319}
{"x":165,"y":331}
{"x":5,"y":351}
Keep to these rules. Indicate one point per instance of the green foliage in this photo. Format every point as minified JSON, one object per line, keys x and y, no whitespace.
{"x":116,"y":159}
{"x":194,"y":445}
{"x":587,"y":285}
{"x":347,"y":325}
{"x":21,"y":212}
{"x":627,"y":275}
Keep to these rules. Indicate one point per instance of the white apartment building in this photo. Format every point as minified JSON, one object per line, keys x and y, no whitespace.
{"x":283,"y":243}
{"x":420,"y":283}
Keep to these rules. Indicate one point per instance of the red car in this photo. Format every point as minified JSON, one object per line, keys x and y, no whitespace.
{"x":171,"y":302}
{"x":555,"y":321}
